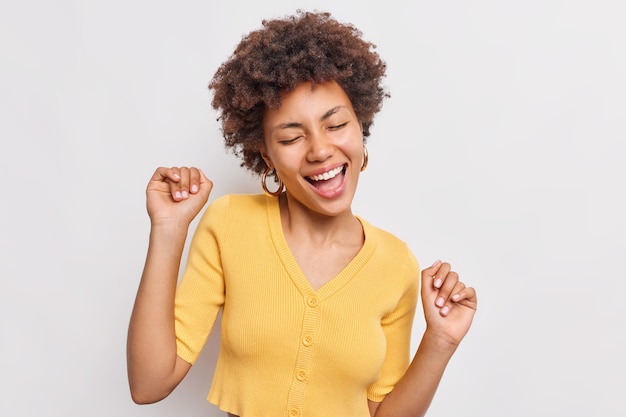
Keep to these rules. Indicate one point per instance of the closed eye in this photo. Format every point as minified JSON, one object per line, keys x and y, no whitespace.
{"x":289,"y":141}
{"x":337,"y":127}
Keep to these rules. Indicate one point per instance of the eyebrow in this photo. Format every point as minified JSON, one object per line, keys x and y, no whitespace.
{"x":325,"y":116}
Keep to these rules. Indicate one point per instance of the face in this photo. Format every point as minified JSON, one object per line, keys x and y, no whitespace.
{"x":315,"y":143}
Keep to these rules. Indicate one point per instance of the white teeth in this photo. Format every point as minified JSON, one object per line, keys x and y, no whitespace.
{"x":327,"y":175}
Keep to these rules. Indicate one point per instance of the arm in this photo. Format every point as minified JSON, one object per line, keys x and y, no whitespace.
{"x":449,"y":308}
{"x":174,"y":197}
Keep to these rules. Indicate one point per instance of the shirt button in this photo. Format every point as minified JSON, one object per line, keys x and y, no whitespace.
{"x":308,"y":340}
{"x":312,"y":301}
{"x":294,"y":412}
{"x":302,"y":375}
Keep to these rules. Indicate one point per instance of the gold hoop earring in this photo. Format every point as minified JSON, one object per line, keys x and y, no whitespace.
{"x":365,"y":158}
{"x":264,"y":184}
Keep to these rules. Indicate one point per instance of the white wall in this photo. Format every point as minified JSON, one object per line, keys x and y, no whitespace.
{"x":501,"y":151}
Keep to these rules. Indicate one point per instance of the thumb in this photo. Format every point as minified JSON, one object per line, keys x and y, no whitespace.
{"x":206,"y":185}
{"x":432,"y":270}
{"x":428,"y":274}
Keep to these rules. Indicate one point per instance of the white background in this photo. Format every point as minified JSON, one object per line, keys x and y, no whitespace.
{"x":501,"y":151}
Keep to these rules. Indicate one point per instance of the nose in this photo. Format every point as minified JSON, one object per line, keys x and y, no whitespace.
{"x":320,"y":148}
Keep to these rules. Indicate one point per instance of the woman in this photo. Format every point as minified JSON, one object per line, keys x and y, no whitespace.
{"x":317,"y":303}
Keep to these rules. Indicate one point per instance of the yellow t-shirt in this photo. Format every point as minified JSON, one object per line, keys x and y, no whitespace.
{"x":286,"y":349}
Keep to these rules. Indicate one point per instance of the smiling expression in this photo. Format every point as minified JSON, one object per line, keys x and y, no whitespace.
{"x":315,"y":143}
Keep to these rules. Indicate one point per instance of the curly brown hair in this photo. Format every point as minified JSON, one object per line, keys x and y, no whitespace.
{"x":308,"y":46}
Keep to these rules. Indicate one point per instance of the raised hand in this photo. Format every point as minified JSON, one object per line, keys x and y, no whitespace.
{"x":176,"y":195}
{"x":449,"y":305}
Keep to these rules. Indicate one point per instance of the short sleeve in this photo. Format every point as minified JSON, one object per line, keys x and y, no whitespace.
{"x":200,"y":292}
{"x":397,"y":327}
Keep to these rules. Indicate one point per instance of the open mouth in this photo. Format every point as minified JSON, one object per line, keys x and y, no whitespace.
{"x":329,"y":179}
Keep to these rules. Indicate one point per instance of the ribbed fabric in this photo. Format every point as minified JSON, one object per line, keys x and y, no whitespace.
{"x":286,"y":349}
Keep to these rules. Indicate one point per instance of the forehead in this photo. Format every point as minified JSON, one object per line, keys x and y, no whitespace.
{"x":310,"y":100}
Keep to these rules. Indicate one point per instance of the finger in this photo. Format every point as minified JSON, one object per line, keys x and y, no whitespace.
{"x":428,"y":274}
{"x":194,"y":180}
{"x":467,"y":297}
{"x":163,"y":174}
{"x":162,"y":181}
{"x":431,"y":270}
{"x":174,"y":182}
{"x":445,"y":290}
{"x":184,"y":183}
{"x":441,"y":274}
{"x":206,"y":185}
{"x":456,"y":290}
{"x":447,"y":306}
{"x":451,"y":302}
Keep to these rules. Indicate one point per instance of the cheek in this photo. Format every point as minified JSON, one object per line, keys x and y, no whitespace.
{"x":353,"y":144}
{"x":286,"y":158}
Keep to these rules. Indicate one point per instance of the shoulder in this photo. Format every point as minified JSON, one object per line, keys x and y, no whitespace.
{"x":385,"y":240}
{"x":391,"y":251}
{"x":238,"y":200}
{"x":235,"y":213}
{"x":392,"y":268}
{"x":229,"y":203}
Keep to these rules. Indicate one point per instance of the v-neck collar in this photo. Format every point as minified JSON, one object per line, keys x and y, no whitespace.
{"x":293,"y":269}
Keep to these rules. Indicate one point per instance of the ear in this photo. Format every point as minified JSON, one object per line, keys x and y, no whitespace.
{"x":265,"y":156}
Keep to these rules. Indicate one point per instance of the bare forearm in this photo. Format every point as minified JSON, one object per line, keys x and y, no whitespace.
{"x":151,"y":346}
{"x":413,"y":394}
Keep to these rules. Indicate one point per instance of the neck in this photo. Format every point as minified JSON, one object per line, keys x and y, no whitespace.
{"x":299,"y":220}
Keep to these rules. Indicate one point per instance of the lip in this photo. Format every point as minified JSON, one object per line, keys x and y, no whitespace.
{"x":335,"y":192}
{"x":325,"y":169}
